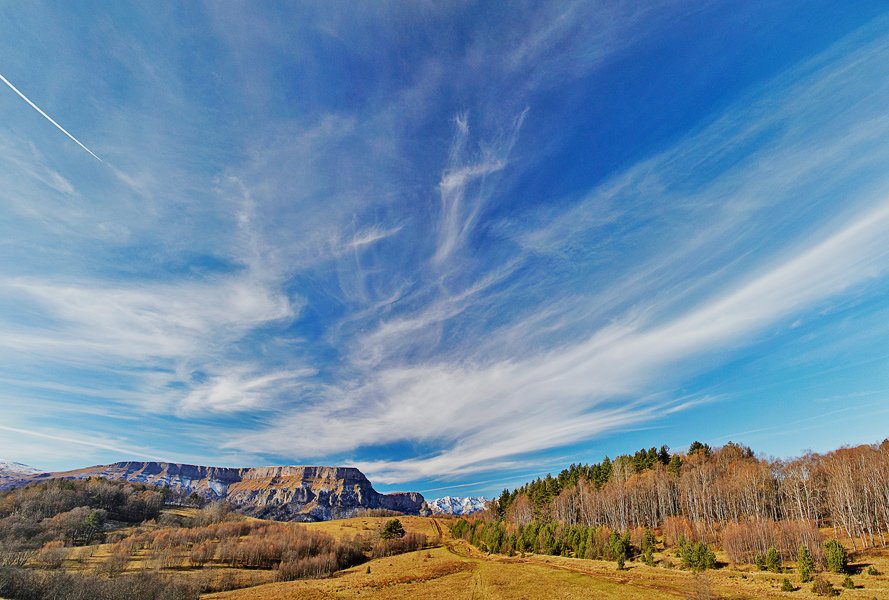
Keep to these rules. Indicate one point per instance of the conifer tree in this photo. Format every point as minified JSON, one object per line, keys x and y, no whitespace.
{"x":836,"y":556}
{"x":806,"y":564}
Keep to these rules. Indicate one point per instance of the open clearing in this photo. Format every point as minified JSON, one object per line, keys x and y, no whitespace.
{"x":455,"y":570}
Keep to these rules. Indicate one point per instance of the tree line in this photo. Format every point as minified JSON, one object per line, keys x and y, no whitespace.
{"x":708,"y":491}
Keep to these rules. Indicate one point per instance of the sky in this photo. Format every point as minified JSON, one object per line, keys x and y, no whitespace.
{"x":455,"y":244}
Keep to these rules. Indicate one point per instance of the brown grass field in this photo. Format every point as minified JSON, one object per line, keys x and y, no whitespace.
{"x":456,"y":570}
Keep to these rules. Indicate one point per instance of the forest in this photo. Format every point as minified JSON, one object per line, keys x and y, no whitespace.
{"x":708,"y":491}
{"x":758,"y":511}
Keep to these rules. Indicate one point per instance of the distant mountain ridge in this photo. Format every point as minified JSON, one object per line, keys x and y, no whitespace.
{"x":310,"y":493}
{"x":455,"y":505}
{"x":13,"y":474}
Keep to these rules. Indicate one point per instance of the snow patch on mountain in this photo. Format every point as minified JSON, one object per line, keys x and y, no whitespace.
{"x":13,"y":474}
{"x":454,"y":505}
{"x":18,"y":468}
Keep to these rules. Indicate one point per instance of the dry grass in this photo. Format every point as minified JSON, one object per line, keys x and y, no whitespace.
{"x":352,"y":527}
{"x":458,"y":571}
{"x":455,"y":570}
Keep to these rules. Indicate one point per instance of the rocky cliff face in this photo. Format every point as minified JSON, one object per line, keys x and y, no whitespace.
{"x":285,"y":493}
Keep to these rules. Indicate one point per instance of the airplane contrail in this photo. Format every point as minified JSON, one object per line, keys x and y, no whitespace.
{"x":48,"y":118}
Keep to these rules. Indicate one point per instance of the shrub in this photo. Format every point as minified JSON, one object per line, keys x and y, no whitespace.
{"x":773,"y":560}
{"x":823,"y":587}
{"x":648,"y":545}
{"x":872,"y":570}
{"x":848,"y":583}
{"x":836,"y":556}
{"x":51,"y":556}
{"x":806,"y":564}
{"x":696,"y":556}
{"x":410,"y":542}
{"x":744,"y":541}
{"x":620,"y":548}
{"x":786,"y":586}
{"x":26,"y":585}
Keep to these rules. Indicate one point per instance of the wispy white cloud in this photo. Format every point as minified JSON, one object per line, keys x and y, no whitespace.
{"x":365,"y":274}
{"x":93,"y":442}
{"x":373,"y":234}
{"x":237,"y":390}
{"x":488,"y":411}
{"x":463,"y":174}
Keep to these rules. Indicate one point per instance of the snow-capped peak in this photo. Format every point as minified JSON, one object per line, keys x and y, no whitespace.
{"x":14,"y":467}
{"x":454,"y":505}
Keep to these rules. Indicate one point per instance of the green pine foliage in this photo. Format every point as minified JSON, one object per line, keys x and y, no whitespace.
{"x":786,"y":586}
{"x":836,"y":556}
{"x":806,"y":564}
{"x":760,"y":561}
{"x":696,"y":556}
{"x":649,"y":544}
{"x":697,"y":447}
{"x":773,"y":560}
{"x":620,"y":548}
{"x":392,"y":529}
{"x":547,"y":537}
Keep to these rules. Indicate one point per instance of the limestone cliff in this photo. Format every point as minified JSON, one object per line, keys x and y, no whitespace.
{"x":285,"y":493}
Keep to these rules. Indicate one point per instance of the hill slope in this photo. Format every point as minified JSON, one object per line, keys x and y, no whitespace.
{"x":13,"y":474}
{"x":283,"y":492}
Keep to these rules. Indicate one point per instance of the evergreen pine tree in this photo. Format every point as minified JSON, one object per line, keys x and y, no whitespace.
{"x":773,"y":560}
{"x":806,"y":564}
{"x":648,"y":545}
{"x":836,"y":556}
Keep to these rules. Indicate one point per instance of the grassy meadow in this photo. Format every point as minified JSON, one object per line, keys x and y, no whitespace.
{"x":457,"y":570}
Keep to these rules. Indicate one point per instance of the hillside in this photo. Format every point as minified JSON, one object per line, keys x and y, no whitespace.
{"x":13,"y":474}
{"x":296,"y":493}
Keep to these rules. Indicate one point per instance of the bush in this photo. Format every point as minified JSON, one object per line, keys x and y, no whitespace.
{"x":773,"y":560}
{"x":806,"y":564}
{"x":23,"y":584}
{"x":744,"y":541}
{"x":51,"y":556}
{"x":648,"y":546}
{"x":872,"y":570}
{"x":786,"y":586}
{"x":823,"y":587}
{"x":836,"y":556}
{"x":848,"y":583}
{"x":696,"y":556}
{"x":620,"y":548}
{"x":410,"y":542}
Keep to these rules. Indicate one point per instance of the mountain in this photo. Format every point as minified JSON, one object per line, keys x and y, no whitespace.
{"x":285,"y":493}
{"x":13,"y":474}
{"x":453,"y":505}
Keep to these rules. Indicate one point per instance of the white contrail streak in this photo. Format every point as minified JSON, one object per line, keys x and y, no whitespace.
{"x":48,"y":118}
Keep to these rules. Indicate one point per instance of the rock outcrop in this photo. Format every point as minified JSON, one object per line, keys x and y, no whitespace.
{"x":284,"y":493}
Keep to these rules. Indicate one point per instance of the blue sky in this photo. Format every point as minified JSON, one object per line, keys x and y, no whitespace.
{"x":458,"y":245}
